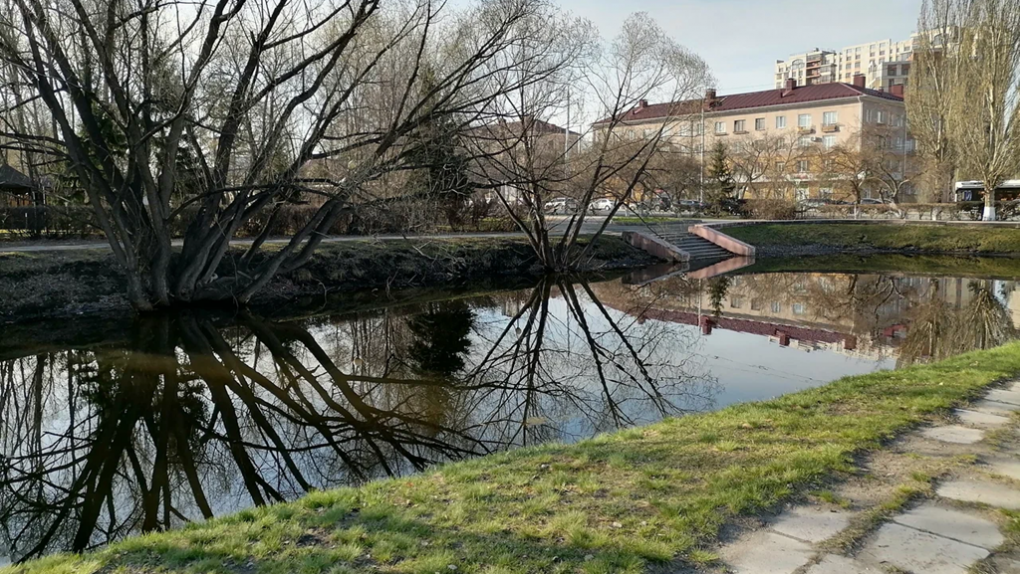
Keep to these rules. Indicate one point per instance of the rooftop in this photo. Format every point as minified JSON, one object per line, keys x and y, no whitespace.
{"x":750,"y":100}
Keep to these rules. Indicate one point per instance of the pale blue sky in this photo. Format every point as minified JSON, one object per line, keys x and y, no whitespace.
{"x":742,"y":39}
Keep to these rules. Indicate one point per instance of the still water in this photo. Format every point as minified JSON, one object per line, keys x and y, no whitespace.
{"x":182,"y":417}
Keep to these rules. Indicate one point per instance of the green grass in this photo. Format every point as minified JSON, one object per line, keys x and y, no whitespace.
{"x":632,"y":220}
{"x":930,"y":238}
{"x":617,"y":503}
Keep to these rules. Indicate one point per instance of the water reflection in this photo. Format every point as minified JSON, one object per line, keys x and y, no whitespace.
{"x":195,"y":418}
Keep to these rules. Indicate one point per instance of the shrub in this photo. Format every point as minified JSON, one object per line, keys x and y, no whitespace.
{"x":771,"y":209}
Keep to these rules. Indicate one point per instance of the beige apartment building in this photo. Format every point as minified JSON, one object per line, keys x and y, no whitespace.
{"x":883,"y":63}
{"x":784,"y":129}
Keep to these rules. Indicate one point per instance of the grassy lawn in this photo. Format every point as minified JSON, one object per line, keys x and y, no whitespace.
{"x":633,"y":220}
{"x":919,"y":237}
{"x":622,"y":502}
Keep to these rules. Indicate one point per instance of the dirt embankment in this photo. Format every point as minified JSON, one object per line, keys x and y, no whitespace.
{"x":48,"y":285}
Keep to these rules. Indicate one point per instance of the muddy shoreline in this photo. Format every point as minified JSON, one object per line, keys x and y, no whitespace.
{"x":49,"y":286}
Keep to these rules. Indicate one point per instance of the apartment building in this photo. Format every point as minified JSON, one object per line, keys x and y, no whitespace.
{"x":794,"y":122}
{"x":883,"y":63}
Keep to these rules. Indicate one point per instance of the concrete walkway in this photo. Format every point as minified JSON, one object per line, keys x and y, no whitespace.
{"x":957,"y":526}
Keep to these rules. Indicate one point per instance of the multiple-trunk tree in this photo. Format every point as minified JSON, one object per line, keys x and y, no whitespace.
{"x":191,"y":119}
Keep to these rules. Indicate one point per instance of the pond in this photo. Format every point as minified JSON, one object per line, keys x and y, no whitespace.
{"x":171,"y":419}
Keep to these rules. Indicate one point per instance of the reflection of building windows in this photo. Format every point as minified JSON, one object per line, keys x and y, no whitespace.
{"x":802,"y":193}
{"x":799,"y":309}
{"x":736,"y":302}
{"x":825,"y":193}
{"x":756,"y":305}
{"x":777,"y":307}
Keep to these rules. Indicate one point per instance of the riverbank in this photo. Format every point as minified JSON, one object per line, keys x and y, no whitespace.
{"x":867,"y":238}
{"x":56,"y":284}
{"x":648,"y":499}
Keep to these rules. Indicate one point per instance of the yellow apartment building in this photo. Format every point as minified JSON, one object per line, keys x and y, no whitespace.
{"x":783,"y":130}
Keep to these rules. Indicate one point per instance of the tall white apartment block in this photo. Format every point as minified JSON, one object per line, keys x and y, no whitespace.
{"x":883,"y":63}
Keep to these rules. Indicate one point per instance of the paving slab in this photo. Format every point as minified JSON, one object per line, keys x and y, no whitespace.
{"x":766,"y":552}
{"x":993,"y":407}
{"x":953,"y":524}
{"x":979,"y":419}
{"x":811,"y":524}
{"x":833,"y":564}
{"x":1008,"y":467}
{"x":1001,"y":396}
{"x":955,"y":434}
{"x":920,"y":552}
{"x":982,"y":492}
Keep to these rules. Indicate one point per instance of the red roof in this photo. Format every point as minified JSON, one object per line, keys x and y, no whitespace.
{"x":799,"y":95}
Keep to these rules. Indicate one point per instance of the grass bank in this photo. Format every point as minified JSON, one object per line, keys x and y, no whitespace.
{"x":646,"y":499}
{"x":773,"y":239}
{"x":57,"y":284}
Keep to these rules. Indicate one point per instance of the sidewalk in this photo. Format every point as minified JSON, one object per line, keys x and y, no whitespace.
{"x":938,"y":501}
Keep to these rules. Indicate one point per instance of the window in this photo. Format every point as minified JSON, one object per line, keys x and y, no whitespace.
{"x":799,"y":309}
{"x":890,"y":70}
{"x":777,"y":307}
{"x":736,"y":302}
{"x":720,"y":127}
{"x":802,"y":166}
{"x":829,"y":142}
{"x":904,"y":69}
{"x":739,"y":126}
{"x":882,"y":117}
{"x":780,"y":122}
{"x":802,"y":193}
{"x":804,"y":142}
{"x":830,"y":118}
{"x":686,"y":129}
{"x":756,"y":305}
{"x":825,"y":193}
{"x":804,"y":121}
{"x":780,"y":166}
{"x":759,"y":124}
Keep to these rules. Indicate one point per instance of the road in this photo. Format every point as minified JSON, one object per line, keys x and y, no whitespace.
{"x":589,"y":227}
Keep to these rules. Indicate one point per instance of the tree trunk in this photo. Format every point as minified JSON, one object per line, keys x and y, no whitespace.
{"x":989,"y":212}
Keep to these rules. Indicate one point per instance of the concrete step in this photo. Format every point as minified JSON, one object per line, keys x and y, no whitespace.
{"x":695,"y":246}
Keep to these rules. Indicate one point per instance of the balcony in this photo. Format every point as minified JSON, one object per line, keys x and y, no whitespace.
{"x":830,"y":128}
{"x":805,"y":130}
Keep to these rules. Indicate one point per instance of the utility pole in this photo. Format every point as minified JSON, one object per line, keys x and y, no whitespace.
{"x":701,"y":195}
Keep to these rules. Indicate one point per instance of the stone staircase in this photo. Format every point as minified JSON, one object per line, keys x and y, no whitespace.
{"x":698,"y":248}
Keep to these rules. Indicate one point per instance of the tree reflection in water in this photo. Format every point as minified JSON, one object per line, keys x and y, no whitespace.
{"x":194,"y":419}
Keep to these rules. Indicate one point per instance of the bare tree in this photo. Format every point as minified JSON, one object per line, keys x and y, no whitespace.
{"x":929,"y":100}
{"x":526,"y":163}
{"x":986,"y":95}
{"x":199,"y":116}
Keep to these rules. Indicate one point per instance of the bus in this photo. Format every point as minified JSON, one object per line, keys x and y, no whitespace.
{"x":975,"y":190}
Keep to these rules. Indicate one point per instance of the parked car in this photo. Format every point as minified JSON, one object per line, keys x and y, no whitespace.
{"x":691,"y":205}
{"x":561,"y":205}
{"x":601,"y":205}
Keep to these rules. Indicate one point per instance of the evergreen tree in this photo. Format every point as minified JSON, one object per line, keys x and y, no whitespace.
{"x":719,"y":181}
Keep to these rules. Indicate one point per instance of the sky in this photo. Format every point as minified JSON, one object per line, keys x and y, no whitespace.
{"x":742,"y":39}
